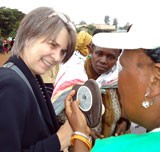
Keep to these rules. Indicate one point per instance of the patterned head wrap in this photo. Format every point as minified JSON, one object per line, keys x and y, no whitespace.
{"x":83,"y":40}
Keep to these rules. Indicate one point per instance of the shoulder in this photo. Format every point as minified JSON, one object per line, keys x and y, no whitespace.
{"x":12,"y":83}
{"x":13,"y":91}
{"x":9,"y":75}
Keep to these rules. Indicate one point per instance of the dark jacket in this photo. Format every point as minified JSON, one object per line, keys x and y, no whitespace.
{"x":26,"y":125}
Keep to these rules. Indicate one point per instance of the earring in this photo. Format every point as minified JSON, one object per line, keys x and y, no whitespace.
{"x":146,"y":104}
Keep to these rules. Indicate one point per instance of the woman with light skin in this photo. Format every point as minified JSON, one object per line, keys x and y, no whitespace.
{"x":139,"y":87}
{"x":44,"y":39}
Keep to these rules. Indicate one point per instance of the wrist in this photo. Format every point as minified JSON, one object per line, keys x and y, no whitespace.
{"x":82,"y":134}
{"x":87,"y":140}
{"x":86,"y":132}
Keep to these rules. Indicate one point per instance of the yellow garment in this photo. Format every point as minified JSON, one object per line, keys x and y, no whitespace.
{"x":83,"y":39}
{"x":49,"y":76}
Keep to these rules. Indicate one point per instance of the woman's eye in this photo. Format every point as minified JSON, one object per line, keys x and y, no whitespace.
{"x":63,"y":52}
{"x":111,"y":57}
{"x":99,"y":54}
{"x":53,"y":45}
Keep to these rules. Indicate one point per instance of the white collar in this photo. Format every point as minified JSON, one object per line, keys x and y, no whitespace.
{"x":156,"y":130}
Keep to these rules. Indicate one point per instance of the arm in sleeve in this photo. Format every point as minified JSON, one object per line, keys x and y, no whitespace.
{"x":13,"y":111}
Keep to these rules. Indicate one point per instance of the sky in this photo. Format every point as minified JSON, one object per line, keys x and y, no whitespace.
{"x":93,"y":11}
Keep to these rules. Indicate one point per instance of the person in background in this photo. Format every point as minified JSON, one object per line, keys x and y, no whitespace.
{"x":1,"y":45}
{"x":5,"y":45}
{"x":139,"y":88}
{"x":102,"y":66}
{"x":71,"y":73}
{"x":83,"y":43}
{"x":11,"y":43}
{"x":44,"y":39}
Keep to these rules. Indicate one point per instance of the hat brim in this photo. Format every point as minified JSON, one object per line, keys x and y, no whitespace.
{"x":124,"y":41}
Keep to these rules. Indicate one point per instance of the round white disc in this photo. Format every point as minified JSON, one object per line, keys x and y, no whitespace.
{"x":85,"y":97}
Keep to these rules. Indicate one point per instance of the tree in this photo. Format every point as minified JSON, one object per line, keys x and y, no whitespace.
{"x":127,"y":26}
{"x":107,"y":20}
{"x":115,"y":22}
{"x":9,"y":20}
{"x":91,"y":29}
{"x":82,"y":22}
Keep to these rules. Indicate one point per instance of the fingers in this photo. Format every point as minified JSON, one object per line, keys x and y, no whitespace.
{"x":65,"y":150}
{"x":119,"y":131}
{"x":75,"y":105}
{"x":70,"y":95}
{"x":68,"y":102}
{"x":96,"y":134}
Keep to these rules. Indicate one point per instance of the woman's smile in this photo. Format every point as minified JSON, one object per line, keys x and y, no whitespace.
{"x":46,"y":62}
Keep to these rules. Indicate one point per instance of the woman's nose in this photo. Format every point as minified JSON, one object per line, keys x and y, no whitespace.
{"x":104,"y":59}
{"x":57,"y":55}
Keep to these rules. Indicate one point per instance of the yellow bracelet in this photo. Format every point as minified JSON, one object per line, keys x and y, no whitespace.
{"x":82,"y":134}
{"x":87,"y":142}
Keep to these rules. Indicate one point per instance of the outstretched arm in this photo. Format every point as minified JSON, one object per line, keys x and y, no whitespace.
{"x":78,"y":122}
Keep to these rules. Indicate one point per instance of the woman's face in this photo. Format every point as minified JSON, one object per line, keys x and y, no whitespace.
{"x":103,"y":59}
{"x":40,"y":56}
{"x":133,"y":83}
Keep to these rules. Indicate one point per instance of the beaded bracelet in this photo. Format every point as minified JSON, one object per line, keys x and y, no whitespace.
{"x":87,"y":141}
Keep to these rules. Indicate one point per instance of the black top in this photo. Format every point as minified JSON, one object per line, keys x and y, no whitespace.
{"x":26,"y":124}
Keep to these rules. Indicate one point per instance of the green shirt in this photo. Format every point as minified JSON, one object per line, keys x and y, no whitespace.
{"x":147,"y":142}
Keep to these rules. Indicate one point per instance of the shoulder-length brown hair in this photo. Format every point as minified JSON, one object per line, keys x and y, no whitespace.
{"x":38,"y":23}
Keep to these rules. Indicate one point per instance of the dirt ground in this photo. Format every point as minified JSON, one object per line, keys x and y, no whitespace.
{"x":3,"y":58}
{"x":49,"y":77}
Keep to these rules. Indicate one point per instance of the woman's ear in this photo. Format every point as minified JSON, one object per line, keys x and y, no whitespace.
{"x":157,"y":70}
{"x":155,"y":81}
{"x":91,"y":47}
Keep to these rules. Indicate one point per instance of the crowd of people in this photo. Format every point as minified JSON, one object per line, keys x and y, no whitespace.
{"x":6,"y":45}
{"x":138,"y":85}
{"x":126,"y":67}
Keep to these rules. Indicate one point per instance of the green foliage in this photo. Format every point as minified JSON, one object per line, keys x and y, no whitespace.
{"x":115,"y":22}
{"x":107,"y":20}
{"x":78,"y":30}
{"x":126,"y":27}
{"x":9,"y":21}
{"x":12,"y":34}
{"x":91,"y":29}
{"x":82,"y":23}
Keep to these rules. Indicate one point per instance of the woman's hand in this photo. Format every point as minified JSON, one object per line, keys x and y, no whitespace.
{"x":64,"y":134}
{"x":95,"y":134}
{"x":122,"y":126}
{"x":75,"y":116}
